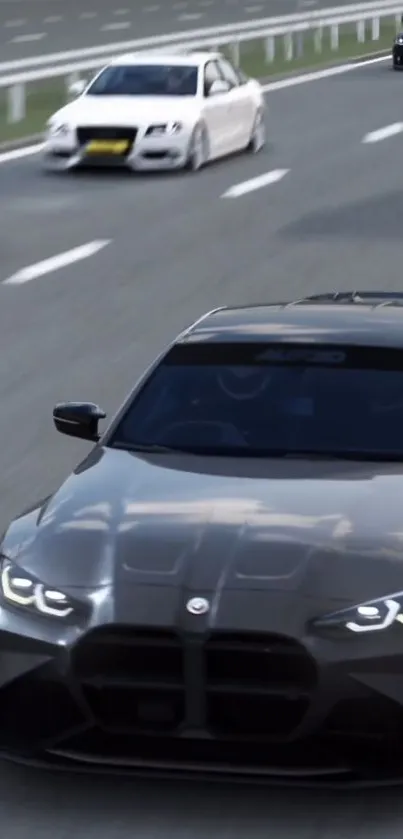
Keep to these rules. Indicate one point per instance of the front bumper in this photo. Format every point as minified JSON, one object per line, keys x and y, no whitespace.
{"x":145,"y":701}
{"x":143,"y":153}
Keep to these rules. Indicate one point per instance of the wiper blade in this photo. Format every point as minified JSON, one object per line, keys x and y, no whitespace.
{"x":269,"y":454}
{"x":150,"y":448}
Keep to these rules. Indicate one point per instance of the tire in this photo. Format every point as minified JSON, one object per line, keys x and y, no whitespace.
{"x":258,"y":135}
{"x":198,"y":150}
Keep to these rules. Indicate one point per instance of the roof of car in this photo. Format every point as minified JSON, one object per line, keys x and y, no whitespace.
{"x":356,"y":318}
{"x":173,"y":58}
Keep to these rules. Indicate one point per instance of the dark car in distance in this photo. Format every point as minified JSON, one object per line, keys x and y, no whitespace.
{"x":217,"y":589}
{"x":397,"y":51}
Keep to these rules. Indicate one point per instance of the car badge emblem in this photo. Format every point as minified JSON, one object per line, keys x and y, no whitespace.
{"x":198,"y":606}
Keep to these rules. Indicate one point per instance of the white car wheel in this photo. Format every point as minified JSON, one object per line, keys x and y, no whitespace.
{"x":197,"y":156}
{"x":258,"y":136}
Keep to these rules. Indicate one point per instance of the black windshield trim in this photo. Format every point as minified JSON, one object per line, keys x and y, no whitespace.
{"x":261,"y":454}
{"x":285,"y":354}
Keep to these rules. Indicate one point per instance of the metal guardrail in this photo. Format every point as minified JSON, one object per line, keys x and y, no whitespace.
{"x":16,"y":75}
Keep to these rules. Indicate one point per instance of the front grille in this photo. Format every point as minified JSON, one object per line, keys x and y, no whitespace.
{"x":236,"y":687}
{"x":100,"y":132}
{"x":132,"y":681}
{"x":257,"y":685}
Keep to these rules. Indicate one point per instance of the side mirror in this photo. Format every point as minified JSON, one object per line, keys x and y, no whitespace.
{"x":78,"y":419}
{"x":76,"y":88}
{"x":219,"y":86}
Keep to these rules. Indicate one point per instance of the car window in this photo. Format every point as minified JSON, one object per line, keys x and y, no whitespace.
{"x":228,"y":73}
{"x":242,"y":399}
{"x":146,"y":80}
{"x":211,"y":74}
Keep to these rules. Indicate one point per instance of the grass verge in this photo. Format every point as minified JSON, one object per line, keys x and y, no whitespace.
{"x":44,"y":98}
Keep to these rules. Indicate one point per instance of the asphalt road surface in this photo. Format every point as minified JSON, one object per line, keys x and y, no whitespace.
{"x":33,"y":27}
{"x":176,"y":248}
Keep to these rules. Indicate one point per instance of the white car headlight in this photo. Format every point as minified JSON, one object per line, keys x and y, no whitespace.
{"x":57,"y":129}
{"x":373,"y":616}
{"x":20,"y":589}
{"x":164,"y":129}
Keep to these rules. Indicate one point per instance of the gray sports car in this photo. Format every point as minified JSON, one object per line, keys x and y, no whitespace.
{"x":217,"y":588}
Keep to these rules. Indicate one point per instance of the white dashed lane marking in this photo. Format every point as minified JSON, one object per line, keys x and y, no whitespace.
{"x":190,"y":16}
{"x":55,"y":263}
{"x":253,"y":184}
{"x":112,"y":27}
{"x":26,"y":39}
{"x":383,"y":133}
{"x":251,"y":10}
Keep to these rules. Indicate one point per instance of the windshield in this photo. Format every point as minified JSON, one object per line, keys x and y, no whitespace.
{"x":265,"y":400}
{"x":146,"y":80}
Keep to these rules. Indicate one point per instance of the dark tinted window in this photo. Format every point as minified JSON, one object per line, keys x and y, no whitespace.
{"x":251,"y":399}
{"x":146,"y":80}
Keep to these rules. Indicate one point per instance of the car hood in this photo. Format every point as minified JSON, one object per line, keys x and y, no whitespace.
{"x":330,"y":532}
{"x":115,"y":110}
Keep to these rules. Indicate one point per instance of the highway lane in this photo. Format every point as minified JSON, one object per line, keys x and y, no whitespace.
{"x":33,"y":27}
{"x":177,"y":249}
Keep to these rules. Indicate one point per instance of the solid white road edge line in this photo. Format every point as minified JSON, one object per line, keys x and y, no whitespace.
{"x":54,"y":263}
{"x":383,"y":133}
{"x":271,"y":87}
{"x":255,"y":183}
{"x":18,"y":154}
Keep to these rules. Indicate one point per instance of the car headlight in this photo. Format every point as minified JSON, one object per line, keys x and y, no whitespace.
{"x":164,"y":129}
{"x":373,"y":616}
{"x":21,"y":589}
{"x":56,"y":129}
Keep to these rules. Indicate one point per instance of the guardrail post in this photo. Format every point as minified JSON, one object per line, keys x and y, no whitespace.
{"x":361,"y":31}
{"x":270,"y":48}
{"x":300,"y":44}
{"x":318,"y":39}
{"x":288,"y":46}
{"x":235,"y":53}
{"x":72,"y":78}
{"x":334,"y":36}
{"x":16,"y":103}
{"x":376,"y":29}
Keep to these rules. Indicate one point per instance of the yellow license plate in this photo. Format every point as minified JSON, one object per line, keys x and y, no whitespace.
{"x":107,"y":146}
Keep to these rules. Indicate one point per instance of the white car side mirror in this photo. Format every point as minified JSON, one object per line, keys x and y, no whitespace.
{"x":76,"y":88}
{"x":219,"y":86}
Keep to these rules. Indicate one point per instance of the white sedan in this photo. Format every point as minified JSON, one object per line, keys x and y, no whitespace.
{"x":148,"y":112}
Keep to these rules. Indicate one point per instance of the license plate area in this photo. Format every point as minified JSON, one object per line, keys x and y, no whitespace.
{"x":108,"y":147}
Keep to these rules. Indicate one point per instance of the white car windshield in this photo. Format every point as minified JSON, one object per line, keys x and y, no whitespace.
{"x":146,"y":80}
